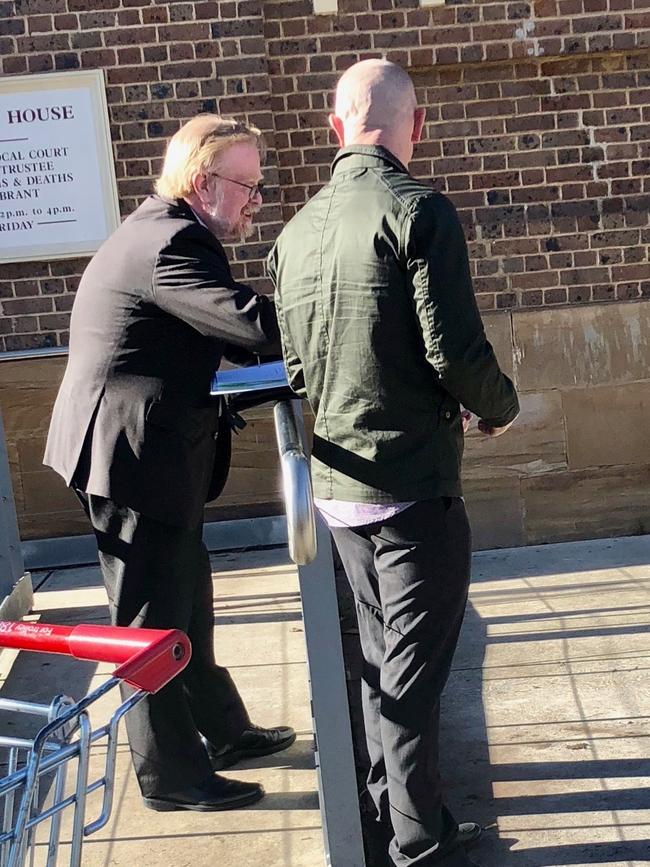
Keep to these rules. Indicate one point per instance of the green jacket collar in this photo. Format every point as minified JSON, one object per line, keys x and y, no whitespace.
{"x":361,"y":156}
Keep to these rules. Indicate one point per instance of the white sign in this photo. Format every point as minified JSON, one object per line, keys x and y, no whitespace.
{"x":58,"y":196}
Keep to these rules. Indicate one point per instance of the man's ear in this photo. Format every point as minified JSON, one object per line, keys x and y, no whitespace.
{"x":418,"y":124}
{"x":337,"y":125}
{"x":200,"y":183}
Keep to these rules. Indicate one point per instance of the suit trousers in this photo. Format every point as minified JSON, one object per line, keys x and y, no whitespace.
{"x":159,"y":576}
{"x":410,"y":577}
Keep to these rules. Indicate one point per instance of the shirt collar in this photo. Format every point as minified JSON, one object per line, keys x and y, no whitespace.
{"x":369,"y":154}
{"x":197,"y":217}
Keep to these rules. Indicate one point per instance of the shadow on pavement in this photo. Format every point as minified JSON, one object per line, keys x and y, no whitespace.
{"x":497,"y":792}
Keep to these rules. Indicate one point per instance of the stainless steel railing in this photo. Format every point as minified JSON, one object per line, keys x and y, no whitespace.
{"x":296,"y":478}
{"x":40,"y":352}
{"x":296,"y":482}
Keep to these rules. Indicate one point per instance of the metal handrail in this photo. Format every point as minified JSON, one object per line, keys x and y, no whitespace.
{"x":296,"y":478}
{"x":296,"y":483}
{"x":38,"y":352}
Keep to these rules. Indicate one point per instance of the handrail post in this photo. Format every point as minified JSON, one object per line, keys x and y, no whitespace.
{"x":337,"y":781}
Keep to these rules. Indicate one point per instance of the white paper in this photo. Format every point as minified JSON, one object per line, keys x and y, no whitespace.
{"x":270,"y":375}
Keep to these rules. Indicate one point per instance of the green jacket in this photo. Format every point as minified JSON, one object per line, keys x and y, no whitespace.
{"x":381,"y":333}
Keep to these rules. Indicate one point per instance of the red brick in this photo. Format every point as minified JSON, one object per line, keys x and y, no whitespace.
{"x":603,"y":292}
{"x":534,"y":298}
{"x":66,"y":22}
{"x":628,"y":291}
{"x":506,"y":300}
{"x":181,"y":51}
{"x":68,"y":266}
{"x":445,"y":35}
{"x":130,"y":36}
{"x":82,"y":5}
{"x":208,"y":9}
{"x":14,"y":65}
{"x":43,"y":42}
{"x":555,"y":296}
{"x":155,"y":53}
{"x":187,"y":31}
{"x":513,"y":151}
{"x":486,"y":302}
{"x":630,"y":272}
{"x":11,"y":26}
{"x":28,"y":341}
{"x":97,"y":59}
{"x":131,"y":74}
{"x":17,"y":306}
{"x":97,"y":20}
{"x":40,"y":62}
{"x":21,"y":289}
{"x":601,"y":23}
{"x":639,"y":20}
{"x":129,"y":18}
{"x":40,"y":24}
{"x":129,"y":56}
{"x":63,"y":303}
{"x":155,"y":15}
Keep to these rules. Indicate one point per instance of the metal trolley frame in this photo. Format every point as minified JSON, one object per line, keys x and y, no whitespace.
{"x":147,"y":659}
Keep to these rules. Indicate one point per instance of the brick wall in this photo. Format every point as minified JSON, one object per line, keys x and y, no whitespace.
{"x":538,"y":124}
{"x":163,"y":63}
{"x":538,"y":129}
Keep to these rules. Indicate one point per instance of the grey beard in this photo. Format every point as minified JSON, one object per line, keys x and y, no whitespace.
{"x":237,"y":234}
{"x":246,"y":232}
{"x":226,"y":233}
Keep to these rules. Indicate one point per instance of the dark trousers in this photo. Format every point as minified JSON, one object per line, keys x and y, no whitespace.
{"x":158,"y":576}
{"x":409,"y":576}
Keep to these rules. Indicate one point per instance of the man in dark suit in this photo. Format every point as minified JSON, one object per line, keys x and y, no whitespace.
{"x":135,"y":433}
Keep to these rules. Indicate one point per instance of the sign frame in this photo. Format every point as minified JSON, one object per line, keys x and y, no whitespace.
{"x":93,"y":81}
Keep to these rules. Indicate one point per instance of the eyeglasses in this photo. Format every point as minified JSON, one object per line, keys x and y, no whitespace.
{"x":228,"y":128}
{"x":253,"y":189}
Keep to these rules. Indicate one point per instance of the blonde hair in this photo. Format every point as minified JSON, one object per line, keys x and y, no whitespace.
{"x":196,"y":145}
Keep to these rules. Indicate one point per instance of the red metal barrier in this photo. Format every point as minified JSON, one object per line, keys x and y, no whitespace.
{"x":147,"y":658}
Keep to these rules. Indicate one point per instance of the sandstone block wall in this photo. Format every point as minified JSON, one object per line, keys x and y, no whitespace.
{"x":575,"y":465}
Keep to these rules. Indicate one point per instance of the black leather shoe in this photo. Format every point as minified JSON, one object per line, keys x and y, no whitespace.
{"x":255,"y":741}
{"x":217,"y":793}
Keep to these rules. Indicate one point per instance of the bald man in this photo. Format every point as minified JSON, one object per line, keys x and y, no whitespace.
{"x":382,"y":335}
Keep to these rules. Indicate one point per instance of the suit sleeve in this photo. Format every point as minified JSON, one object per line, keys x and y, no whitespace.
{"x":292,"y":362}
{"x":192,"y":282}
{"x":454,"y":337}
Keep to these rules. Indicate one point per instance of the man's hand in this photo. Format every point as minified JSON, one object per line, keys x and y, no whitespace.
{"x":466,"y":419}
{"x":490,"y":431}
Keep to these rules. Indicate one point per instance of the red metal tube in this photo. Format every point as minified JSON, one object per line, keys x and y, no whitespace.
{"x":147,"y":658}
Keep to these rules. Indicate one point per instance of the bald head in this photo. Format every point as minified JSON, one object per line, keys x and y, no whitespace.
{"x":375,"y":94}
{"x":375,"y":104}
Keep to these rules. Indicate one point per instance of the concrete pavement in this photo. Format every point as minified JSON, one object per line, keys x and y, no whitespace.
{"x":547,"y":715}
{"x":259,"y":636}
{"x":546,"y":719}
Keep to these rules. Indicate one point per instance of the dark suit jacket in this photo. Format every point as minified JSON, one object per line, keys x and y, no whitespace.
{"x":156,"y":309}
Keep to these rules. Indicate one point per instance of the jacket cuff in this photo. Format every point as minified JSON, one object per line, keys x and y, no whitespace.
{"x":503,"y":420}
